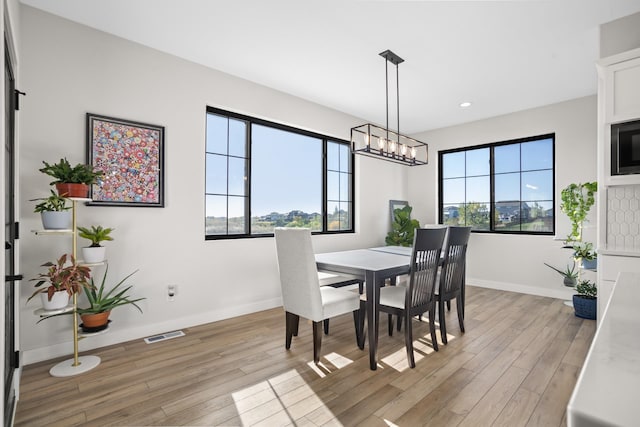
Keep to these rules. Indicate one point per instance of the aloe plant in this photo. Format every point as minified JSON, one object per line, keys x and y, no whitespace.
{"x":102,"y":300}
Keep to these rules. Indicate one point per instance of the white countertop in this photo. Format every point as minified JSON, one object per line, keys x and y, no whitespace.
{"x":606,"y":393}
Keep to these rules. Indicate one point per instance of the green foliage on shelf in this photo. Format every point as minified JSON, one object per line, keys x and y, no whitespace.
{"x":95,"y":234}
{"x":63,"y":172}
{"x":53,"y":203}
{"x":577,"y":200}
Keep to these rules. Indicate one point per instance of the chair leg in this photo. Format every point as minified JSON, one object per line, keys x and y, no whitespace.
{"x":443,"y":324}
{"x":317,"y":341}
{"x":400,"y":320}
{"x":295,"y":325}
{"x":449,"y":305}
{"x":326,"y":326}
{"x":408,"y":340}
{"x":362,"y":314}
{"x":390,"y":323}
{"x":291,"y":322}
{"x":460,"y":313}
{"x":356,"y":323}
{"x":432,"y":326}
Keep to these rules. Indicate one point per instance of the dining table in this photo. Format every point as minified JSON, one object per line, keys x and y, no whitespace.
{"x":374,"y":266}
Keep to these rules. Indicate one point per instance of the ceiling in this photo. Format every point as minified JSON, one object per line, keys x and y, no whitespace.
{"x":503,"y":56}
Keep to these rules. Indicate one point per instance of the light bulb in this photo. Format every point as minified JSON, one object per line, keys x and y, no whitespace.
{"x":413,"y":152}
{"x":366,"y":140}
{"x":403,"y":149}
{"x":381,"y":144}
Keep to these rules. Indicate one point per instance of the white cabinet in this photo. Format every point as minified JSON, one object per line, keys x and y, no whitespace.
{"x":622,"y":87}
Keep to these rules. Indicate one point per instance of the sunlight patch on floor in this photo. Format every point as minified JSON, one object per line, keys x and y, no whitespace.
{"x":398,"y":359}
{"x":281,"y":400}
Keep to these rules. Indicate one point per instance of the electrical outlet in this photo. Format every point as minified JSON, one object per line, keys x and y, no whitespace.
{"x":172,"y":290}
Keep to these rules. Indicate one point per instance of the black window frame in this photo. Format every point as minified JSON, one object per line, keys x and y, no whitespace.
{"x":250,"y":120}
{"x":492,"y":175}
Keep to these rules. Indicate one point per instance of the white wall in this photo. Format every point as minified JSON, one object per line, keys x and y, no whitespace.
{"x":69,"y":70}
{"x":620,"y":35}
{"x":515,"y":262}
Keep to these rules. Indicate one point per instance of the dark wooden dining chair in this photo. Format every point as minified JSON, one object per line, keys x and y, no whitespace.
{"x":451,"y":278}
{"x":302,"y":294}
{"x":419,"y":297}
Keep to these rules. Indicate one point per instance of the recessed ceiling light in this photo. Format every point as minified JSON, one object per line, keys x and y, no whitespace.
{"x":465,"y":104}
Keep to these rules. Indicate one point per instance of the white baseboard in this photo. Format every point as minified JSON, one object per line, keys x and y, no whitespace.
{"x":562,"y":292}
{"x":116,"y":336}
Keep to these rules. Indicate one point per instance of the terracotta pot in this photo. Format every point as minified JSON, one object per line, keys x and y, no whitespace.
{"x":95,"y":320}
{"x":72,"y":190}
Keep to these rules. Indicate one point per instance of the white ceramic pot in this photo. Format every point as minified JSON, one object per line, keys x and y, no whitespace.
{"x":54,"y":220}
{"x":59,"y":300}
{"x":94,"y":255}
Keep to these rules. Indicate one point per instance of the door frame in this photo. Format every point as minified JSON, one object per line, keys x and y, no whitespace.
{"x":10,"y":57}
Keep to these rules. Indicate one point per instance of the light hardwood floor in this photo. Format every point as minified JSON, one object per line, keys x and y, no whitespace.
{"x":516,"y":365}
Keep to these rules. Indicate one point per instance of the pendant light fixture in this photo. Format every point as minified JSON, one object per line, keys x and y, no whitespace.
{"x":384,"y":143}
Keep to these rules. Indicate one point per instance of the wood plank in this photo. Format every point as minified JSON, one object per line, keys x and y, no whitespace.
{"x":237,"y":372}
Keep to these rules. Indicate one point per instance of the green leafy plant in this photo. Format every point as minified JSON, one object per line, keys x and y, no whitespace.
{"x":403,"y":228}
{"x":584,"y":250}
{"x":53,"y":203}
{"x":60,"y":277}
{"x":570,"y":274}
{"x":63,"y":172}
{"x":95,"y":234}
{"x":577,"y":200}
{"x":102,"y":300}
{"x":587,"y":289}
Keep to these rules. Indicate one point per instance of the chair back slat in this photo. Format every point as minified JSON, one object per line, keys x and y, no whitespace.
{"x":298,"y":272}
{"x":453,"y":266}
{"x":425,"y":259}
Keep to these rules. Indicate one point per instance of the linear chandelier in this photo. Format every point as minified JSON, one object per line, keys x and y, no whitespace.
{"x":384,"y":143}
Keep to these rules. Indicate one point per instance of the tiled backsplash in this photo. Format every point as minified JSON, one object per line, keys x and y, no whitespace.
{"x":623,"y":217}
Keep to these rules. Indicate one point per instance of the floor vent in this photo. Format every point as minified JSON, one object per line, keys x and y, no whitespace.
{"x":164,"y":337}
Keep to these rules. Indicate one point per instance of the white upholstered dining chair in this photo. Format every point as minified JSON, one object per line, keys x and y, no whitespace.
{"x":302,"y":294}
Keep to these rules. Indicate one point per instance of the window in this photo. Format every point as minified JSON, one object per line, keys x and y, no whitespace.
{"x":261,"y":175}
{"x":506,"y":187}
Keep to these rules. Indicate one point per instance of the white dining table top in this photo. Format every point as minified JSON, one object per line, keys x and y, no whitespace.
{"x":364,"y":259}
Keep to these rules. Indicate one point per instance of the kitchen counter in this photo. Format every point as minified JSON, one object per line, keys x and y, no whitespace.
{"x":606,"y":390}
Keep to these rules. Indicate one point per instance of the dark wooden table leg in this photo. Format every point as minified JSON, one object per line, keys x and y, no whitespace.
{"x":372,"y":326}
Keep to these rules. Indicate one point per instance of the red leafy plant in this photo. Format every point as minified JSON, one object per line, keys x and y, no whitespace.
{"x":60,"y":277}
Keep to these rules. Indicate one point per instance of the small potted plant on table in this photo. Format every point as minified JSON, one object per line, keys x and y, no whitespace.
{"x":54,"y":212}
{"x":71,"y":181}
{"x":95,"y":253}
{"x":63,"y":281}
{"x":101,"y":301}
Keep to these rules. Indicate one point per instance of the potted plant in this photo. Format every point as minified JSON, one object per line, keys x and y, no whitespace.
{"x":71,"y":181}
{"x":95,"y":253}
{"x":584,"y":252}
{"x":577,"y":200}
{"x":585,"y":301}
{"x":63,"y":281}
{"x":54,"y":212}
{"x":570,"y":274}
{"x":403,"y":228}
{"x":102,"y":301}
